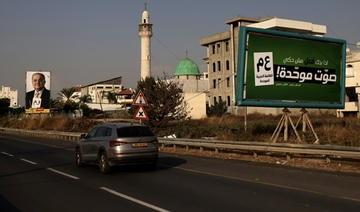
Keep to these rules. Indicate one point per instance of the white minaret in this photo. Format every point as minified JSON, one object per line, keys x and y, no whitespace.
{"x":145,"y":33}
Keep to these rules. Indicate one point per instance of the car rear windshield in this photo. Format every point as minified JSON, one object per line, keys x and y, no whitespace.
{"x":135,"y":131}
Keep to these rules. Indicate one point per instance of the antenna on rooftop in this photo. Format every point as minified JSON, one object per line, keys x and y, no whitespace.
{"x":186,"y":53}
{"x":145,"y":5}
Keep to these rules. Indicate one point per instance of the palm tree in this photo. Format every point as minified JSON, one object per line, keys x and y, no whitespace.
{"x":68,"y":94}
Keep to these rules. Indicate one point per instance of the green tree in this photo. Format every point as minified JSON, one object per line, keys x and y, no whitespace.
{"x":85,"y":98}
{"x":165,"y":101}
{"x":218,"y":109}
{"x":17,"y":111}
{"x":83,"y":106}
{"x":56,"y":103}
{"x":4,"y":106}
{"x":111,"y":96}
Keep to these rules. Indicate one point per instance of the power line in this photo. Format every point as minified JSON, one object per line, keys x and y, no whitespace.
{"x":167,"y":48}
{"x":208,"y":90}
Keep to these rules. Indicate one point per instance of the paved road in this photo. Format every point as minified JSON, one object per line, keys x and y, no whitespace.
{"x":39,"y":175}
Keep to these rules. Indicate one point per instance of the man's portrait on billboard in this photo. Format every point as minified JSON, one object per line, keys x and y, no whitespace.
{"x":37,"y":90}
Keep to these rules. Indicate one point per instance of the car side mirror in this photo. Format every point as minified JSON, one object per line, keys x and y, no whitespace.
{"x":83,"y":136}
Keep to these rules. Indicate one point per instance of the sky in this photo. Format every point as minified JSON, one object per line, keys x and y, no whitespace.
{"x":86,"y":41}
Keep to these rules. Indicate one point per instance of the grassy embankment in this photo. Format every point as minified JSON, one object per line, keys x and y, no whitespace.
{"x":331,"y":130}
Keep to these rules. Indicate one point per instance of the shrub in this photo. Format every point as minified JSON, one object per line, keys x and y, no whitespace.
{"x":218,"y":109}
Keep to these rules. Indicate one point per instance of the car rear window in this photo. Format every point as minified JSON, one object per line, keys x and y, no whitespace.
{"x":135,"y":131}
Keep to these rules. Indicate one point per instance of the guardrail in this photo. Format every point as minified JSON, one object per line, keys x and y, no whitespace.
{"x":68,"y":136}
{"x":326,"y":151}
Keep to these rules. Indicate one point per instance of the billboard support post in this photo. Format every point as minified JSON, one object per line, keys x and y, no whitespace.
{"x":304,"y":118}
{"x":245,"y":119}
{"x":284,"y":124}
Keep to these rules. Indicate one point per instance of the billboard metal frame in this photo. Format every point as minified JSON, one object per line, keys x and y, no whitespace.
{"x":241,"y":71}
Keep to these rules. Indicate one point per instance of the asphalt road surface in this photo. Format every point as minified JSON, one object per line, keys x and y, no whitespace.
{"x":39,"y":174}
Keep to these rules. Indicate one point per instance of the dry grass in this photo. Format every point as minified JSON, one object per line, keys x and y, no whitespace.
{"x":331,"y":130}
{"x":57,"y":123}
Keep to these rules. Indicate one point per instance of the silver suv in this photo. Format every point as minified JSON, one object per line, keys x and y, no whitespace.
{"x":111,"y":144}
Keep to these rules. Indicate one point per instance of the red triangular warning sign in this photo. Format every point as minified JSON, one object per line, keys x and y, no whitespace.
{"x":141,"y":114}
{"x":140,"y":99}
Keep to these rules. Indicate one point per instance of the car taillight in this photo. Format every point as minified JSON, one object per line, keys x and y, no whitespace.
{"x":116,"y":143}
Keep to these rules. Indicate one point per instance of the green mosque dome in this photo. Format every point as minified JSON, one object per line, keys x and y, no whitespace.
{"x":187,"y":67}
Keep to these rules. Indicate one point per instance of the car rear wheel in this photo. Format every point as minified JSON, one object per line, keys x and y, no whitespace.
{"x":104,"y":163}
{"x":78,"y":158}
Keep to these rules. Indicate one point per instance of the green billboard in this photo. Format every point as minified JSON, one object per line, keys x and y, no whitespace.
{"x":282,"y":69}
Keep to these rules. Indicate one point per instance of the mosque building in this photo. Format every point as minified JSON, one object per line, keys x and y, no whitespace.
{"x":195,"y":87}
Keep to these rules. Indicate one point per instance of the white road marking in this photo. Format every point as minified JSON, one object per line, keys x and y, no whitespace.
{"x":63,"y":173}
{"x":28,"y":161}
{"x":134,"y":200}
{"x":8,"y":154}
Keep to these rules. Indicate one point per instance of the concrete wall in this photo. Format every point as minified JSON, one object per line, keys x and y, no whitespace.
{"x":106,"y":107}
{"x":196,"y":103}
{"x":193,"y":85}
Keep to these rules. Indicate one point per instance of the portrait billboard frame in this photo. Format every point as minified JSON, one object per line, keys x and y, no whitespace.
{"x":296,"y":94}
{"x":45,"y":97}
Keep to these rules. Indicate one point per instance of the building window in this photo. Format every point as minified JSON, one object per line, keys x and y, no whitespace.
{"x":219,"y":65}
{"x":214,"y":99}
{"x":227,"y":46}
{"x":228,"y":82}
{"x":214,"y":83}
{"x":213,"y":49}
{"x":228,"y":100}
{"x":349,"y":71}
{"x":220,"y":99}
{"x":218,"y":48}
{"x":351,"y":94}
{"x":108,"y":87}
{"x":227,"y":65}
{"x":100,"y":87}
{"x":214,"y":67}
{"x":219,"y":81}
